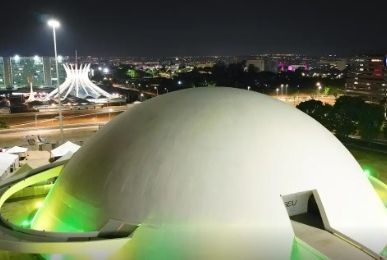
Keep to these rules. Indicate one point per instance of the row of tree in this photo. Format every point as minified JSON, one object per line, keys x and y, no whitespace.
{"x":236,"y":75}
{"x":348,"y":116}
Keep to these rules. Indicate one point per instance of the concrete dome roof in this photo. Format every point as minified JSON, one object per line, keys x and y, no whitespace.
{"x":211,"y":164}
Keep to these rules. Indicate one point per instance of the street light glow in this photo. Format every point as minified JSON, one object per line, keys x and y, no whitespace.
{"x":16,"y":57}
{"x":53,"y":23}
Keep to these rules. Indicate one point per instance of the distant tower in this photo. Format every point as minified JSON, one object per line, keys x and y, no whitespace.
{"x":78,"y":84}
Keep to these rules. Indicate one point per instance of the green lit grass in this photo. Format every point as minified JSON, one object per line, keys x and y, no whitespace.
{"x":374,"y":163}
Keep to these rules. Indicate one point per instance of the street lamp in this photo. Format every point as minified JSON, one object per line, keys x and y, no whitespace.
{"x":277,"y":90}
{"x":55,"y":24}
{"x":157,"y":91}
{"x":141,"y":96}
{"x":248,"y":87}
{"x":282,"y":89}
{"x":319,"y":87}
{"x":166,"y":90}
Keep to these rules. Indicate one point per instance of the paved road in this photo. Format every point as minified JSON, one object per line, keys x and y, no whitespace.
{"x":67,"y":112}
{"x":74,"y":133}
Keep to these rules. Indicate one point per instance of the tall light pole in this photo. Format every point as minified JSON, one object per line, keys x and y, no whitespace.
{"x":319,"y":87}
{"x":55,"y":24}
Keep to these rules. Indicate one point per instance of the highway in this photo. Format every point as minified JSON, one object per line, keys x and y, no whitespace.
{"x":75,"y":133}
{"x":78,"y":125}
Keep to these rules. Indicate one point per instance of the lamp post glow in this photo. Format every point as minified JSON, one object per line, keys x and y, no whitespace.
{"x":319,"y":87}
{"x":55,"y":24}
{"x":16,"y":58}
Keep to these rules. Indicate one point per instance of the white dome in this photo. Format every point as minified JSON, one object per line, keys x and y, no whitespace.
{"x":210,"y":164}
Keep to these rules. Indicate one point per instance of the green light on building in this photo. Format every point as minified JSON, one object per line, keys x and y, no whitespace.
{"x":367,"y":172}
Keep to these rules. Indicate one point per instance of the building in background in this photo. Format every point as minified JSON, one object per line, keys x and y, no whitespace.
{"x":2,"y":73}
{"x":18,"y":72}
{"x":263,"y":64}
{"x":332,"y":62}
{"x":367,"y":77}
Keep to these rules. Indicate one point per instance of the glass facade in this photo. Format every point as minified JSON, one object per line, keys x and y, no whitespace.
{"x":26,"y":70}
{"x":2,"y":74}
{"x":19,"y":71}
{"x":62,"y":72}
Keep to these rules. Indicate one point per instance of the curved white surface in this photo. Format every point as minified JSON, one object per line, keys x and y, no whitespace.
{"x":204,"y":169}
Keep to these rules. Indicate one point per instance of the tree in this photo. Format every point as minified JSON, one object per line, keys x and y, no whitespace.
{"x":319,"y":111}
{"x":132,"y":73}
{"x":3,"y":125}
{"x":345,"y":115}
{"x":251,"y":69}
{"x":371,"y":117}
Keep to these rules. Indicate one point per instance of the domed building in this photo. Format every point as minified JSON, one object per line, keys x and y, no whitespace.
{"x":214,"y":173}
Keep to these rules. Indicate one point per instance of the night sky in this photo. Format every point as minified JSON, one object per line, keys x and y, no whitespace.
{"x":176,"y":28}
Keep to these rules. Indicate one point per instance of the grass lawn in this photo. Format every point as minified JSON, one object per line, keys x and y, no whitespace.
{"x":375,"y":162}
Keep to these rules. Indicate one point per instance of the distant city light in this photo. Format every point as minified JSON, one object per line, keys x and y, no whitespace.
{"x":36,"y":58}
{"x":105,"y":70}
{"x":16,"y":58}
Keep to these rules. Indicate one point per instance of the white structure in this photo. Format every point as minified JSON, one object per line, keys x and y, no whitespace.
{"x":8,"y":163}
{"x":78,"y":84}
{"x":20,"y":151}
{"x":213,"y":173}
{"x":64,"y":149}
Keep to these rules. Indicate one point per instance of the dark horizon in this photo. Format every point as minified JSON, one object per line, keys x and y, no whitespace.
{"x":173,"y":28}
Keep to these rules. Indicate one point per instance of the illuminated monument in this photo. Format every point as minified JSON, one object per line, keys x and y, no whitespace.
{"x":210,"y":173}
{"x":78,"y":84}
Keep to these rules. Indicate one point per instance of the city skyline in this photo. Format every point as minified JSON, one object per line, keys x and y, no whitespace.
{"x":171,"y":28}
